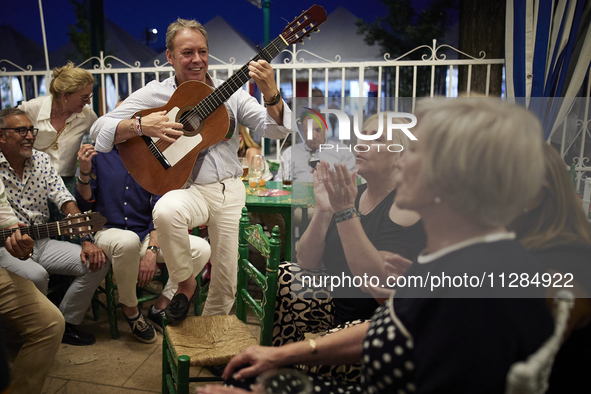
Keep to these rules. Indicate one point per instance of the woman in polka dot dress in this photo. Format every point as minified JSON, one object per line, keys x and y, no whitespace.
{"x":469,"y":174}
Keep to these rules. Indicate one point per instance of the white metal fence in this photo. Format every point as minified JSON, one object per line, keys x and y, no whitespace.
{"x":435,"y":73}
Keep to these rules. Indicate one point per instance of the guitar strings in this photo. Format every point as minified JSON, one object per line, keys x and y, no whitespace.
{"x":47,"y":230}
{"x":210,"y":103}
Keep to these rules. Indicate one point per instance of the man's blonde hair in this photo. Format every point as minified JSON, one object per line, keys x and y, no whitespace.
{"x":483,"y":155}
{"x":179,"y":25}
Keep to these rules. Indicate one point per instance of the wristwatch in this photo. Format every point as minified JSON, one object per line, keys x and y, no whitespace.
{"x":275,"y":100}
{"x":87,"y":238}
{"x":154,"y":249}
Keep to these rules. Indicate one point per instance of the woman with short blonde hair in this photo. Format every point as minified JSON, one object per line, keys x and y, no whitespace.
{"x":63,"y":117}
{"x":483,"y":164}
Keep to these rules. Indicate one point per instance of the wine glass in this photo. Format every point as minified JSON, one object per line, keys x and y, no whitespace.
{"x":257,"y":164}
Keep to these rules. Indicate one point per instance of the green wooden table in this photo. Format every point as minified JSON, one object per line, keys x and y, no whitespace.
{"x":301,"y":196}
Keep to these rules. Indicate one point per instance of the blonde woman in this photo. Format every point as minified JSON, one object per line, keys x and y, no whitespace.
{"x":63,"y":118}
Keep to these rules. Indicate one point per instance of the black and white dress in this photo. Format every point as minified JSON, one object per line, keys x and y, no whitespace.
{"x":448,"y":340}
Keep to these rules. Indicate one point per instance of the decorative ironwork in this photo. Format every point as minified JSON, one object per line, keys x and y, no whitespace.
{"x":295,"y":52}
{"x":434,"y":56}
{"x":3,"y":69}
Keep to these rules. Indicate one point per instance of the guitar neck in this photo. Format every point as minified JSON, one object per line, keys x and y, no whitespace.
{"x":239,"y":78}
{"x":36,"y":232}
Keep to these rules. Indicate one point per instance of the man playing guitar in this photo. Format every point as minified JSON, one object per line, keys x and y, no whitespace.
{"x":214,"y":194}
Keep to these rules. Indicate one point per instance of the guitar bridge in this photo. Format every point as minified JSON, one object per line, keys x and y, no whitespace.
{"x":156,"y":152}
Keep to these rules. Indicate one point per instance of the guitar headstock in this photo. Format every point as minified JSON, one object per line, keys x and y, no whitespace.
{"x":82,"y":223}
{"x":304,"y":25}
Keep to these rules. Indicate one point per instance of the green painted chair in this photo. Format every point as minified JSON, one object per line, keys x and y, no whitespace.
{"x":201,"y":341}
{"x":110,"y":305}
{"x":144,"y":294}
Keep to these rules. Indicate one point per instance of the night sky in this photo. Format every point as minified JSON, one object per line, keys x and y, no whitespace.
{"x":135,"y":16}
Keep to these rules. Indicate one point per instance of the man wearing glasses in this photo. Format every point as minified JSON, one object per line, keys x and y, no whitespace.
{"x":30,"y":181}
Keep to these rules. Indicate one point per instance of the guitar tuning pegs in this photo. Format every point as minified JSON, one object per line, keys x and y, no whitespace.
{"x":316,"y":30}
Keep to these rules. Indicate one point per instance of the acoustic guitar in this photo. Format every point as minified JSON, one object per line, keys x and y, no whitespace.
{"x":159,"y":166}
{"x":72,"y":225}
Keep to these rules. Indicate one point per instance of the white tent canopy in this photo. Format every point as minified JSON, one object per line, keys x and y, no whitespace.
{"x":337,"y":37}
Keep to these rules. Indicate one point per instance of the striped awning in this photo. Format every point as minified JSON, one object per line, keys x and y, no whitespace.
{"x":548,"y":55}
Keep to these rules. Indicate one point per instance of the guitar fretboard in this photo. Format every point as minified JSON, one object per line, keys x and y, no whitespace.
{"x":71,"y":225}
{"x":36,"y":231}
{"x":232,"y":84}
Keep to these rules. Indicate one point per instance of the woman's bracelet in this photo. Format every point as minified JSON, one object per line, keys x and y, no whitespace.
{"x":84,"y":173}
{"x":313,"y":346}
{"x":83,"y":182}
{"x":346,"y":214}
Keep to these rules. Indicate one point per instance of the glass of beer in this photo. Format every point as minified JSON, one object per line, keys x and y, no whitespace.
{"x":244,"y":162}
{"x":286,"y":176}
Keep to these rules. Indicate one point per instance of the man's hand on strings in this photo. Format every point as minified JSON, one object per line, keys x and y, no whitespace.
{"x":157,"y":125}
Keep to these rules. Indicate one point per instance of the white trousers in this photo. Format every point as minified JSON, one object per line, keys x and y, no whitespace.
{"x":218,"y":205}
{"x":125,"y":249}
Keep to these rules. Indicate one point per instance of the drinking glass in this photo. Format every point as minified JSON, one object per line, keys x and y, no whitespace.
{"x":286,"y":176}
{"x":257,"y":166}
{"x":244,"y":162}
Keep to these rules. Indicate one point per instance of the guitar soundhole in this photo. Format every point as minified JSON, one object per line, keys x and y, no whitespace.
{"x":191,"y":120}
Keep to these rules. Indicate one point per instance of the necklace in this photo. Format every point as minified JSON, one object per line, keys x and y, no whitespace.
{"x":55,"y":144}
{"x":365,"y":211}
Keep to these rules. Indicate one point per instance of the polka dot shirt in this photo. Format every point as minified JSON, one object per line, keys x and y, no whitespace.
{"x":386,"y":360}
{"x":28,"y":196}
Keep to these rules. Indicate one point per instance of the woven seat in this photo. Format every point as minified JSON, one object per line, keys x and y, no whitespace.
{"x":213,"y":340}
{"x":210,"y":340}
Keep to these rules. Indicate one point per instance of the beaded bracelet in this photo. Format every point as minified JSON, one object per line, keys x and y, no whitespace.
{"x":84,"y":173}
{"x":346,"y":214}
{"x":138,"y":125}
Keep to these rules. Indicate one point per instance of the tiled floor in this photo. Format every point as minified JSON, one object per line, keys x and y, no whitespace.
{"x":122,"y":366}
